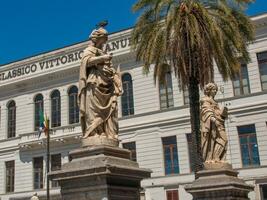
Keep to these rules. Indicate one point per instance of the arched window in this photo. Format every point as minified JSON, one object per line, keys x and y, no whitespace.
{"x":38,"y":110}
{"x":127,"y":102}
{"x":11,"y":119}
{"x":55,"y":109}
{"x":166,"y":92}
{"x":73,"y":107}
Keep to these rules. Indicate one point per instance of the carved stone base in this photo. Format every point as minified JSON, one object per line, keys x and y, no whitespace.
{"x":100,"y":173}
{"x":217,"y":165}
{"x":218,"y":184}
{"x":96,"y":140}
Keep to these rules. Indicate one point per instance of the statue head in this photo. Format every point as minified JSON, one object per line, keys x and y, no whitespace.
{"x":99,"y":36}
{"x":210,"y":89}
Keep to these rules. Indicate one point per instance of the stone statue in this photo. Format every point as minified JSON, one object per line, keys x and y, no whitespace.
{"x":99,"y":87}
{"x":35,"y":197}
{"x":213,"y":135}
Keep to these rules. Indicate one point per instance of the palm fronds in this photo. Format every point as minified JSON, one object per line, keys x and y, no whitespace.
{"x":188,"y":35}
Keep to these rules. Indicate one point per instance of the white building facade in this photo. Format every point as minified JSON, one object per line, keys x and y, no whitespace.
{"x":153,"y":119}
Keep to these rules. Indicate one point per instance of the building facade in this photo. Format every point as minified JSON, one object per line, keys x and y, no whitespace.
{"x":153,"y":119}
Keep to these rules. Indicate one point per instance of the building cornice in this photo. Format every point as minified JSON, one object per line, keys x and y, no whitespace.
{"x":61,"y":51}
{"x":44,"y":64}
{"x":262,"y":18}
{"x":259,"y":16}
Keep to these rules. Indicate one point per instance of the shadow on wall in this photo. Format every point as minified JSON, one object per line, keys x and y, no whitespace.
{"x":27,"y":155}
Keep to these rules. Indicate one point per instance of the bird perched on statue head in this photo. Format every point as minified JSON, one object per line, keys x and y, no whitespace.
{"x":100,"y":31}
{"x":102,"y":24}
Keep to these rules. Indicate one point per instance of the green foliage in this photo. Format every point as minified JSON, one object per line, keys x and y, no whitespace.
{"x":187,"y":36}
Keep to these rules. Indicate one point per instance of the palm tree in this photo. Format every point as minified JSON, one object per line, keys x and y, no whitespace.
{"x":187,"y":36}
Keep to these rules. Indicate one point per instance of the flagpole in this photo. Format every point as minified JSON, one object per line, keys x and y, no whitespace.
{"x":47,"y":161}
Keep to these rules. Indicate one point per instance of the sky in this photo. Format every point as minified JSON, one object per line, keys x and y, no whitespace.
{"x":31,"y":27}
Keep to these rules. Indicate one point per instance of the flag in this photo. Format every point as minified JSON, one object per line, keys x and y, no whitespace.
{"x":44,"y":124}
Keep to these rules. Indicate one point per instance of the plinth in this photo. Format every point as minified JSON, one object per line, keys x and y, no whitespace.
{"x":100,"y":172}
{"x":218,"y":182}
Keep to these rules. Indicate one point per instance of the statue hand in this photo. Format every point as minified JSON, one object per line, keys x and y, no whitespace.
{"x":213,"y":125}
{"x":213,"y":119}
{"x":224,"y":112}
{"x":108,"y":57}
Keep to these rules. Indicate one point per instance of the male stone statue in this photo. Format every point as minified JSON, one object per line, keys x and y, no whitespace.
{"x":213,"y":135}
{"x":99,"y":87}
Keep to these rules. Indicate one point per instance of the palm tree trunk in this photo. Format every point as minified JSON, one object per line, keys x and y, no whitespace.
{"x":193,"y":90}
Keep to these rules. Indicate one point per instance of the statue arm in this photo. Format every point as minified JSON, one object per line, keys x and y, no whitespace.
{"x":207,"y":112}
{"x":95,"y":60}
{"x":210,"y":115}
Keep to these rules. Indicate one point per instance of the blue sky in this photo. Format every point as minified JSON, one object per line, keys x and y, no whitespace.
{"x":30,"y":27}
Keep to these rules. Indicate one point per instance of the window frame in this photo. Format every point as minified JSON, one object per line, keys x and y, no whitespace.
{"x":40,"y":105}
{"x":55,"y":115}
{"x":261,"y":192}
{"x":240,"y":79}
{"x":172,"y":191}
{"x":55,"y":167}
{"x":186,"y":98}
{"x":172,"y":157}
{"x":133,"y":155}
{"x":169,"y":99}
{"x":11,"y":125}
{"x":128,"y":97}
{"x":7,"y":176}
{"x":75,"y":113}
{"x":247,"y":136}
{"x":40,"y":174}
{"x":259,"y":70}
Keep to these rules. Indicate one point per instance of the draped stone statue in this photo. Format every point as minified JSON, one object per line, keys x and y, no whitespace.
{"x":213,"y":135}
{"x":99,"y":87}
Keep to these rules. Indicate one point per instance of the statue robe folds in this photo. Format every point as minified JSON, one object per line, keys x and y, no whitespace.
{"x":213,"y":135}
{"x":99,"y":87}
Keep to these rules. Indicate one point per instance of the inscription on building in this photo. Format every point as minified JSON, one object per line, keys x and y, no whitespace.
{"x":39,"y":66}
{"x":58,"y":61}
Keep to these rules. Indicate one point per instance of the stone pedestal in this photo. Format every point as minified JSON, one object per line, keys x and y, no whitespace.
{"x":218,"y":182}
{"x":100,"y":173}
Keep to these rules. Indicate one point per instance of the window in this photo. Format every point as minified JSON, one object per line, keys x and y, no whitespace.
{"x":127,"y":102}
{"x":190,"y":151}
{"x":55,"y":165}
{"x":38,"y":172}
{"x":170,"y":155}
{"x":262,"y":60}
{"x":10,"y":176}
{"x":248,"y":145}
{"x":166,"y":92}
{"x":38,"y":110}
{"x":263,"y":190}
{"x":73,"y":106}
{"x":186,"y":96}
{"x":172,"y":195}
{"x":132,"y":147}
{"x":241,"y":81}
{"x":55,"y":108}
{"x":11,"y":124}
